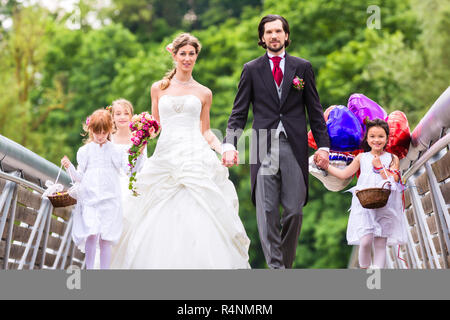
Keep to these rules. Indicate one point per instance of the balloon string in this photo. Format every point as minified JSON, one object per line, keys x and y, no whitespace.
{"x":398,"y":255}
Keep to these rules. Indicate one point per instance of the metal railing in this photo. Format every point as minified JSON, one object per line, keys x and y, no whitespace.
{"x":33,"y":233}
{"x":427,"y":209}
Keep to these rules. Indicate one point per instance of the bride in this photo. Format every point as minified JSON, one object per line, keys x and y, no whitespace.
{"x":186,"y":216}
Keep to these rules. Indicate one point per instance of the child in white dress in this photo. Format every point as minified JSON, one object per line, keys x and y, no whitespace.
{"x":374,"y":227}
{"x":97,"y":217}
{"x":122,"y":112}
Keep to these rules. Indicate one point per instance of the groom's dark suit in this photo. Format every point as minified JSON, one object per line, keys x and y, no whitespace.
{"x":270,"y":106}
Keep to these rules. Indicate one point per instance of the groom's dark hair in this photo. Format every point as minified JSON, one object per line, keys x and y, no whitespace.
{"x":270,"y":18}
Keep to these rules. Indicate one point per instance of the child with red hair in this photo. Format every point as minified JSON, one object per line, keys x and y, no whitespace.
{"x":97,"y":217}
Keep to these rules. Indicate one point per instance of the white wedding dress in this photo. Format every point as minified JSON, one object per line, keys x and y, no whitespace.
{"x":186,"y":214}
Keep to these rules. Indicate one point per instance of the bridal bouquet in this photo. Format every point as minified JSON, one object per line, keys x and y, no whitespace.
{"x":143,"y":128}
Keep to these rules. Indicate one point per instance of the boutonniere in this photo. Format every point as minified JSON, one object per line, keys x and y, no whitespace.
{"x":298,"y":83}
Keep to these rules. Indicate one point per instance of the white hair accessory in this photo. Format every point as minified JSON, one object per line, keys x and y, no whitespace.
{"x":169,"y":47}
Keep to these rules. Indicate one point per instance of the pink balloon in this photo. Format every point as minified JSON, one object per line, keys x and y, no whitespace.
{"x":364,"y":107}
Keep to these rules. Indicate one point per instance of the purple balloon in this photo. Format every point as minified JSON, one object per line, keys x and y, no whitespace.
{"x":363,"y":107}
{"x":344,"y":129}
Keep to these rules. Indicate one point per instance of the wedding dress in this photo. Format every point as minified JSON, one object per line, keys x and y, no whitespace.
{"x":186,"y":214}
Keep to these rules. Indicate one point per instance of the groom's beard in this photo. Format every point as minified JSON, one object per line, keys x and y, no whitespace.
{"x":275,"y":50}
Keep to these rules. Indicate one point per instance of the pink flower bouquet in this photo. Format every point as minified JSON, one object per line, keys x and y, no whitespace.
{"x":143,"y":128}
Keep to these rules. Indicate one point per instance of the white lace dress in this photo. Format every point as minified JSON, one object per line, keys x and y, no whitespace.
{"x":186,"y":216}
{"x":383,"y":222}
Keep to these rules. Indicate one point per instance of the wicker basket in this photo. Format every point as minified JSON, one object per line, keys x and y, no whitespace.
{"x":62,"y":199}
{"x":374,"y":198}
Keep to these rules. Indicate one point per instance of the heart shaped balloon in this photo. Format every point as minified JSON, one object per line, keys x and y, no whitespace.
{"x":399,"y":134}
{"x":311,"y":141}
{"x":344,"y":130}
{"x":364,"y":107}
{"x":327,"y":112}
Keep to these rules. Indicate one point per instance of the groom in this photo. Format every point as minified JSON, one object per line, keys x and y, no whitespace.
{"x":279,"y":150}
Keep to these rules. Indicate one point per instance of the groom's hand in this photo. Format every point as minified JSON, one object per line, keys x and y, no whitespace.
{"x":230,"y":158}
{"x":321,"y":159}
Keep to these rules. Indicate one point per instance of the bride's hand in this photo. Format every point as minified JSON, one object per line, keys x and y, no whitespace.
{"x":230,"y":158}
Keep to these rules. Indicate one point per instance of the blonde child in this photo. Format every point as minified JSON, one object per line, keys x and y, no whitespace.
{"x":374,"y":227}
{"x":122,"y":112}
{"x":98,"y":213}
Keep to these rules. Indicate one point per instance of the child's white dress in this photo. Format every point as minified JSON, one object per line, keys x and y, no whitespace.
{"x":99,"y":201}
{"x":383,"y":222}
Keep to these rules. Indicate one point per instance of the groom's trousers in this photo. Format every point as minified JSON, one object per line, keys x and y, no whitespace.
{"x":280,"y":181}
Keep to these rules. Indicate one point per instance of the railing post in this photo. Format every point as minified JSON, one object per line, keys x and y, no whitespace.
{"x":12,"y":218}
{"x":45,"y":203}
{"x":418,"y":211}
{"x":409,"y":259}
{"x":410,"y":245}
{"x":8,"y":198}
{"x":439,"y":208}
{"x":63,"y":242}
{"x":66,"y":252}
{"x":5,"y":201}
{"x":38,"y":240}
{"x":47,"y":234}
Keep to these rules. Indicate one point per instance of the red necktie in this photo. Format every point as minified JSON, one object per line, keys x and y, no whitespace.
{"x":276,"y":71}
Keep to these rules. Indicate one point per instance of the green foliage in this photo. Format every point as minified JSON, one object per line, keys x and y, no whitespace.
{"x":61,"y":75}
{"x":134,"y":79}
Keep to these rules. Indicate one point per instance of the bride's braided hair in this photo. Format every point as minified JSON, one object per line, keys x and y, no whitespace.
{"x":179,"y":42}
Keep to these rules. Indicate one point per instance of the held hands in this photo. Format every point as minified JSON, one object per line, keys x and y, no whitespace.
{"x":66,"y":162}
{"x":321,"y":159}
{"x":230,"y":158}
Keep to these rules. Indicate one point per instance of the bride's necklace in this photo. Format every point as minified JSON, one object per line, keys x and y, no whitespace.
{"x":183,"y":83}
{"x":178,"y":105}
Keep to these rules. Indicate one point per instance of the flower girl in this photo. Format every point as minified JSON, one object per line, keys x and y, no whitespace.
{"x":98,"y":213}
{"x":374,"y":227}
{"x":122,"y":112}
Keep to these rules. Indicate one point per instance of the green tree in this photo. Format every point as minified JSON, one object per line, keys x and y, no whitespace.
{"x":321,"y":27}
{"x":23,"y":54}
{"x":134,"y":80}
{"x":150,"y":20}
{"x":215,"y":12}
{"x":98,"y":60}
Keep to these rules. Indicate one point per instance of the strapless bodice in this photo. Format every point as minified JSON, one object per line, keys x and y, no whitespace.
{"x":179,"y":112}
